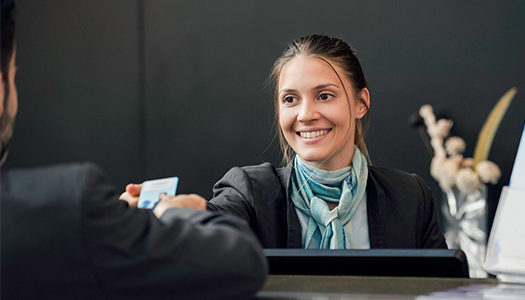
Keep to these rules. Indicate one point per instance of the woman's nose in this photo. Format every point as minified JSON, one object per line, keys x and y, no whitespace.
{"x":308,"y":112}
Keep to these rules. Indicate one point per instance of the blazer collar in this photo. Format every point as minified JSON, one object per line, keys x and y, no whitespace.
{"x":294,"y":227}
{"x":373,"y":211}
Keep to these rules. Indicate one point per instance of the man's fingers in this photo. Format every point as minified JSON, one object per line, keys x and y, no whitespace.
{"x":132,"y":201}
{"x":134,"y":189}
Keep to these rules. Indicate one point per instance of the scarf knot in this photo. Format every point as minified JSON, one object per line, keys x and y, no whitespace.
{"x":312,"y":188}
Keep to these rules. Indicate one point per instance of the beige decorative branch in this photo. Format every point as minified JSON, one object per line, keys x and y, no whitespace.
{"x":486,"y":135}
{"x":448,"y":167}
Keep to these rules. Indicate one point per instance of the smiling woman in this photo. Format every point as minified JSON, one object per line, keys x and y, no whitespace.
{"x":327,"y":195}
{"x":316,"y":115}
{"x":328,"y":67}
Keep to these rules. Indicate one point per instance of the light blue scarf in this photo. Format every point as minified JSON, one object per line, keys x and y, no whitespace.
{"x":311,"y":187}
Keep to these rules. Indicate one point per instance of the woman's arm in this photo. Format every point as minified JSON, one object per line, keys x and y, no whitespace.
{"x":233,"y":193}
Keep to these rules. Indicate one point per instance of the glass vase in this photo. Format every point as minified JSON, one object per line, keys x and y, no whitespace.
{"x":465,"y":225}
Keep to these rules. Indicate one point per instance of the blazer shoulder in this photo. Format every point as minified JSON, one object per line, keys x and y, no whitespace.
{"x":65,"y":170}
{"x":51,"y":181}
{"x":264,"y":170}
{"x":267,"y":176}
{"x":394,"y":181}
{"x":393,"y":176}
{"x":245,"y":183}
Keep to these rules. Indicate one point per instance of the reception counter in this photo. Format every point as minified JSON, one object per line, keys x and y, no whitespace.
{"x":359,"y":287}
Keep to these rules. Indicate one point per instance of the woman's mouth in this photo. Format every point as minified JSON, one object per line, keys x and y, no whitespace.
{"x":313,"y":134}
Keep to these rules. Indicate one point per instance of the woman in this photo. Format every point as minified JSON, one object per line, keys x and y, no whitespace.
{"x":328,"y":195}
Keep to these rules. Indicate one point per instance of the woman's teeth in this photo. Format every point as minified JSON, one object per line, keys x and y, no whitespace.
{"x":313,"y":134}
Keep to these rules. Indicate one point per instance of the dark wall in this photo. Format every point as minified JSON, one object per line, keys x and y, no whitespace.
{"x":78,"y":85}
{"x":149,"y":89}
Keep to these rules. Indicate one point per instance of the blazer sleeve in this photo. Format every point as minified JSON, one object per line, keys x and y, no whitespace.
{"x":255,"y":194}
{"x":234,"y":194}
{"x":187,"y":254}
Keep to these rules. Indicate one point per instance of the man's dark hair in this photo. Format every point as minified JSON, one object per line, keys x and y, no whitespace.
{"x":8,"y":36}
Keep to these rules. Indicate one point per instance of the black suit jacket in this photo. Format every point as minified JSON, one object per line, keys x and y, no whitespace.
{"x":65,"y":235}
{"x":400,"y":208}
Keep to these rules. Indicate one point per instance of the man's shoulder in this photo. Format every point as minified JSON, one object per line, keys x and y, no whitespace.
{"x":63,"y":170}
{"x":50,"y":181}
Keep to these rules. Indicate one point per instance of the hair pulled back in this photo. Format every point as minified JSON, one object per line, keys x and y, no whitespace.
{"x":328,"y":49}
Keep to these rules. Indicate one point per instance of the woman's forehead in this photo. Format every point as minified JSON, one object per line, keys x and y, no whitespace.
{"x":311,"y":70}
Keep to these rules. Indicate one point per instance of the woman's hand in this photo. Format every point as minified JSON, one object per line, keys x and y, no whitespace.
{"x":131,"y":195}
{"x":166,"y":202}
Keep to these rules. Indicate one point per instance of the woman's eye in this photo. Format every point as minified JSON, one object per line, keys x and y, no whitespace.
{"x":288,"y":99}
{"x":325,"y":97}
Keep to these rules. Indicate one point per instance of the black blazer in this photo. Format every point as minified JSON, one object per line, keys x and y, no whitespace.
{"x":66,"y":235}
{"x":400,"y":208}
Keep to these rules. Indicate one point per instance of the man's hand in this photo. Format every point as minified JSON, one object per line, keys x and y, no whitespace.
{"x":131,"y":195}
{"x":166,"y":202}
{"x":193,"y":201}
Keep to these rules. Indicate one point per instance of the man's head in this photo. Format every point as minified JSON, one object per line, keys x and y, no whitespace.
{"x":8,"y":93}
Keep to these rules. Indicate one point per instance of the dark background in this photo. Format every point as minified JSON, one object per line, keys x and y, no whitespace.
{"x":150,"y":89}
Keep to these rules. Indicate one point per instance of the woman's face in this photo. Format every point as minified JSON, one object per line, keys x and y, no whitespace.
{"x":316,"y":116}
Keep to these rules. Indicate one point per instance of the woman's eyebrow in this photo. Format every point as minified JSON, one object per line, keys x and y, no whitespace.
{"x":323,"y":86}
{"x":319,"y":87}
{"x":287,"y":91}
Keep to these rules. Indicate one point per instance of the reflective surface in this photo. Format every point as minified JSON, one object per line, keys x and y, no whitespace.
{"x":465,"y":226}
{"x":357,"y":287}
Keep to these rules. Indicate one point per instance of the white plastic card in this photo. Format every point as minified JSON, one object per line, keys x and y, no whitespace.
{"x":153,"y":189}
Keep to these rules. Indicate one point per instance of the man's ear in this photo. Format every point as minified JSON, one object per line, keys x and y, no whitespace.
{"x":363,"y":105}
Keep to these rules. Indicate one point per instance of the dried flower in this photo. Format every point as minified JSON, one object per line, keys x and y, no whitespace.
{"x":445,"y":171}
{"x":467,"y":181}
{"x":435,"y":166}
{"x":427,"y":113}
{"x":455,"y":145}
{"x":488,"y":171}
{"x":440,"y":129}
{"x":467,"y":163}
{"x":448,"y":167}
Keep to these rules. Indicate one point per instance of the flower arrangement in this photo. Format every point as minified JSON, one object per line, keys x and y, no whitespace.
{"x":463,"y":179}
{"x":448,"y":167}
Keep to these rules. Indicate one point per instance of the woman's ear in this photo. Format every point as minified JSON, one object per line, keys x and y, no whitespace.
{"x":363,"y":105}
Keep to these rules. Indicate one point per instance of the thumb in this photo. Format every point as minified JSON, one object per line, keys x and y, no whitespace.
{"x":134,"y":189}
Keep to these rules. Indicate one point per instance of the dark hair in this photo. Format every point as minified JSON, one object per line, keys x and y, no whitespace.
{"x":325,"y":48}
{"x":8,"y":36}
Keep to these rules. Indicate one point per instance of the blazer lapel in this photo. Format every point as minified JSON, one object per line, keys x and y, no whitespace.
{"x":294,"y":227}
{"x":375,"y":224}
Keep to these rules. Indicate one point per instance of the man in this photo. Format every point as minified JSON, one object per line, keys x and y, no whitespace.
{"x":66,"y":235}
